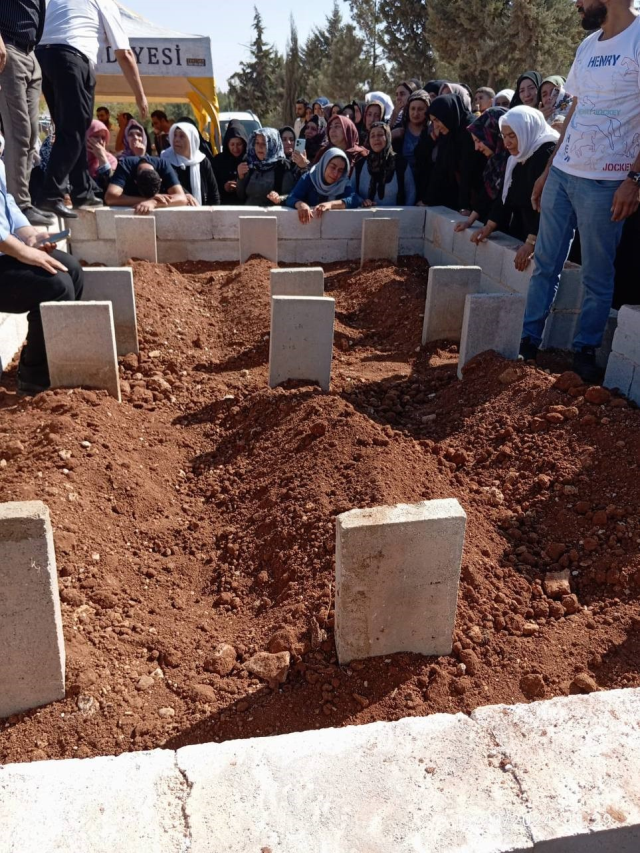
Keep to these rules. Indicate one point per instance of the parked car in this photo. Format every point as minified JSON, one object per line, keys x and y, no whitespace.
{"x":249,"y":119}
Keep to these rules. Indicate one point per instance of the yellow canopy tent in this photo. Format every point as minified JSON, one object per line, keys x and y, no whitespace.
{"x":174,"y":68}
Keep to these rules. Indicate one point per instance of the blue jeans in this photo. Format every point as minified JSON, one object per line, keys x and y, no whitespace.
{"x":569,"y":203}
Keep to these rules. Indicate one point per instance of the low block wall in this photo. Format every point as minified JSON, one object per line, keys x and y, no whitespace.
{"x":561,"y":776}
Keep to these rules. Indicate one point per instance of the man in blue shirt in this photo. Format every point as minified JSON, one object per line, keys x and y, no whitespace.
{"x":31,"y":273}
{"x":143,"y":182}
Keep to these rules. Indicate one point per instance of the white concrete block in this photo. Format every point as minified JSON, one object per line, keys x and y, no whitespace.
{"x":115,"y":285}
{"x":577,"y":761}
{"x":490,"y":285}
{"x":301,"y":281}
{"x":513,"y":278}
{"x":259,"y":236}
{"x":448,"y":259}
{"x":175,"y":251}
{"x":463,"y":248}
{"x":444,"y":222}
{"x":447,"y":289}
{"x":629,"y":319}
{"x":290,"y":227}
{"x":412,"y":220}
{"x":106,"y":220}
{"x":381,"y":788}
{"x":32,"y":663}
{"x":85,"y":227}
{"x":95,"y":252}
{"x":287,"y":251}
{"x":380,"y":240}
{"x":433,"y":254}
{"x":321,"y":251}
{"x":215,"y":250}
{"x":570,"y":291}
{"x":627,"y":344}
{"x":397,"y":576}
{"x":13,"y":331}
{"x":604,"y":350}
{"x":184,"y":223}
{"x":490,"y":254}
{"x":129,"y":804}
{"x":226,"y":220}
{"x":491,"y":322}
{"x":560,"y":330}
{"x":301,"y":342}
{"x":136,"y":238}
{"x":411,"y":246}
{"x":344,"y":224}
{"x":620,"y":373}
{"x":354,"y":249}
{"x":81,"y":345}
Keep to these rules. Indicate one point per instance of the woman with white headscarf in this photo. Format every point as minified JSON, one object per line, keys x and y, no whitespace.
{"x":192,"y":166}
{"x":326,"y":186}
{"x":530,"y":142}
{"x":503,"y":98}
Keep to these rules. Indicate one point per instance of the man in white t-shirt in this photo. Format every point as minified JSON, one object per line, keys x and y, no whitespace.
{"x":592,"y":181}
{"x":68,"y":52}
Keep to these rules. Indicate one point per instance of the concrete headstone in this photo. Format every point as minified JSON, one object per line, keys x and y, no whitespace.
{"x":259,"y":236}
{"x":447,"y":289}
{"x":491,"y":321}
{"x":32,"y":658}
{"x":298,"y":281}
{"x":115,"y":285}
{"x":136,"y":238}
{"x":397,"y":576}
{"x":380,"y":240}
{"x":301,"y":343}
{"x":81,"y":345}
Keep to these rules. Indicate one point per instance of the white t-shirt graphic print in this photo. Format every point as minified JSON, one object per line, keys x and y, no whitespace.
{"x":603,"y":138}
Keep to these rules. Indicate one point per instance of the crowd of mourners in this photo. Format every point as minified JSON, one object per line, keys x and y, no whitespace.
{"x":485,"y":154}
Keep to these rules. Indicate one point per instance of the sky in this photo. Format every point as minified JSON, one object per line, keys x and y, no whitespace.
{"x":228,"y":24}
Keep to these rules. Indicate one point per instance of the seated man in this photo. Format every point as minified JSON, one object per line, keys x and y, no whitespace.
{"x":32,"y":272}
{"x":144,"y":182}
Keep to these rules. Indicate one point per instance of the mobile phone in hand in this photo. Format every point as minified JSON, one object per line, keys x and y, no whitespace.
{"x":301,"y":145}
{"x":52,"y":238}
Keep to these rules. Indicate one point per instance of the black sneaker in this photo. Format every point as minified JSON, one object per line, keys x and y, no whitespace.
{"x":37,"y":217}
{"x":584,"y":364}
{"x":89,"y":201}
{"x":528,"y":350}
{"x":32,"y":380}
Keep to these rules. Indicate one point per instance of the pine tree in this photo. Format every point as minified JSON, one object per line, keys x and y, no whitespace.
{"x":543,"y":35}
{"x":367,"y":14}
{"x":293,"y":75}
{"x":406,"y":40}
{"x":258,"y":84}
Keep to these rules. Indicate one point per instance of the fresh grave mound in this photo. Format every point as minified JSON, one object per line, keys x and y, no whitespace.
{"x":195,"y":523}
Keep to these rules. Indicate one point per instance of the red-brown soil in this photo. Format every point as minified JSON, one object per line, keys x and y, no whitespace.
{"x":203,"y":512}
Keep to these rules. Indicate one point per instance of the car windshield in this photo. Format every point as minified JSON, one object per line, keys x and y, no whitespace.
{"x":249,"y":125}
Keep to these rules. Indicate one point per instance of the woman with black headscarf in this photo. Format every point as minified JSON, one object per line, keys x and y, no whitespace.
{"x":456,"y":166}
{"x":404,"y":91}
{"x":487,"y":139}
{"x":225,"y":164}
{"x":383,"y":179}
{"x":527,"y":89}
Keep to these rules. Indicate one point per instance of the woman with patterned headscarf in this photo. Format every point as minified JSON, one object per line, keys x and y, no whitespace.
{"x":267,"y":177}
{"x":326,"y":186}
{"x":487,"y":139}
{"x":383,"y":179}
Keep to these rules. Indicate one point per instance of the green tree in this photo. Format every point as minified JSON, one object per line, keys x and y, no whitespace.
{"x":367,"y":14}
{"x":469,"y":36}
{"x":406,"y":39}
{"x":541,"y":34}
{"x":258,"y":84}
{"x":335,"y":61}
{"x":293,"y":75}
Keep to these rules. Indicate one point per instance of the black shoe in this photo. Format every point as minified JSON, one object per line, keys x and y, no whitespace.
{"x":584,"y":364}
{"x":29,"y":384}
{"x":59,"y":208}
{"x":37,"y":217}
{"x":528,"y":350}
{"x":90,"y":201}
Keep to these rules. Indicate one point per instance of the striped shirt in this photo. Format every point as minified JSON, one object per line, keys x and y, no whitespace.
{"x":22,"y":21}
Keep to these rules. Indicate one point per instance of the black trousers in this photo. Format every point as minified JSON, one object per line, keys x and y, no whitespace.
{"x":24,"y":288}
{"x":68,"y":84}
